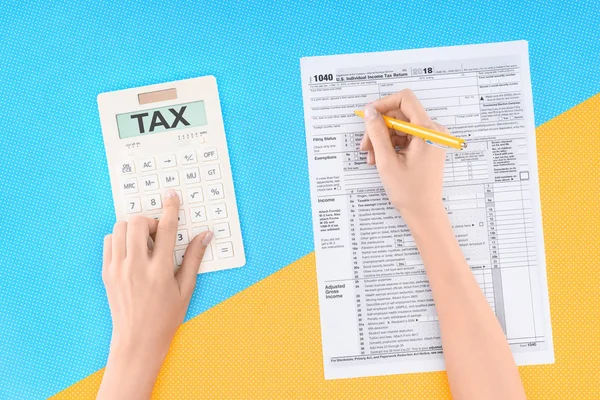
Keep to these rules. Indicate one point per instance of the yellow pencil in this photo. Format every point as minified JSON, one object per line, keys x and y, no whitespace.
{"x":427,"y":134}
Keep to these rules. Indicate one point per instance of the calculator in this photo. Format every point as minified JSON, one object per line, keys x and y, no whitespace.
{"x":171,"y":136}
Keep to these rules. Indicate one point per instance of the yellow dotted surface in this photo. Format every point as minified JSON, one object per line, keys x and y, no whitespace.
{"x":265,"y":342}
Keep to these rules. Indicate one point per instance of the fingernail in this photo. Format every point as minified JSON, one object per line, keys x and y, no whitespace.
{"x":362,"y":143}
{"x":206,"y":239}
{"x":170,"y":193}
{"x":370,"y":113}
{"x":369,"y":158}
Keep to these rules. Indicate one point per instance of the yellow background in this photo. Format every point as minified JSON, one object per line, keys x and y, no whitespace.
{"x":265,"y":342}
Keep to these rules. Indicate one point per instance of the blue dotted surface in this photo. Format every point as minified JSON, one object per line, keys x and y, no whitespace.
{"x":56,"y":202}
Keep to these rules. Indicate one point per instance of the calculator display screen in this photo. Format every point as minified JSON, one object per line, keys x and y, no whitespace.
{"x":162,"y":119}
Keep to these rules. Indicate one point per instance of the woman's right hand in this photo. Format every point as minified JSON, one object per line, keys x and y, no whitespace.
{"x":412,"y":176}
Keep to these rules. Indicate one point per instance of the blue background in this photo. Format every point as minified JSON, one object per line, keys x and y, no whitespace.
{"x":56,"y":202}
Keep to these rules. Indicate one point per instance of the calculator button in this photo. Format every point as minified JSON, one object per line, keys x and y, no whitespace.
{"x":215,"y":192}
{"x":208,"y":255}
{"x":210,"y":154}
{"x":167,"y":161}
{"x":182,"y":237}
{"x":191,"y":175}
{"x":221,"y":230}
{"x":218,"y":211}
{"x":147,"y":164}
{"x":212,"y":172}
{"x":150,"y":182}
{"x":153,"y":202}
{"x":179,"y":256}
{"x":224,"y":250}
{"x":170,"y":179}
{"x":195,"y":195}
{"x":180,"y":197}
{"x":198,"y":214}
{"x":198,"y":230}
{"x":188,"y":157}
{"x":130,"y":186}
{"x":127,"y":167}
{"x":181,"y":217}
{"x":134,"y":205}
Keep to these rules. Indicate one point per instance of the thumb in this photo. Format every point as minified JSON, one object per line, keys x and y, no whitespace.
{"x":186,"y":276}
{"x":379,"y":134}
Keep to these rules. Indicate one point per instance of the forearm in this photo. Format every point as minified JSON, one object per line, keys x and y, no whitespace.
{"x":130,"y":374}
{"x":478,"y":359}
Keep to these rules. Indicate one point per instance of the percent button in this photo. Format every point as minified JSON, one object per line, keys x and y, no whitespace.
{"x":215,"y":192}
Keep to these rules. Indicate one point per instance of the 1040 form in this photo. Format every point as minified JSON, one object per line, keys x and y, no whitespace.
{"x":377,"y":313}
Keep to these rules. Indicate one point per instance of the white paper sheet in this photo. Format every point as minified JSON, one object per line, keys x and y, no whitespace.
{"x":377,"y":314}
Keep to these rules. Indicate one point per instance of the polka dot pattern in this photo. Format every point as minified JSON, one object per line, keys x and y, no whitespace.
{"x":265,"y":342}
{"x":56,"y":205}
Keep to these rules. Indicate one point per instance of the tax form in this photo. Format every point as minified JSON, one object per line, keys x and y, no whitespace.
{"x":377,"y":313}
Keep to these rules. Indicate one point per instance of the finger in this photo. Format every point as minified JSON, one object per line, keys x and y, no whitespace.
{"x":186,"y":276}
{"x":152,"y":225}
{"x":137,"y":236}
{"x":119,"y":244}
{"x":396,"y":114}
{"x":379,"y":134}
{"x":365,"y":143}
{"x":166,"y":230}
{"x":370,"y":157}
{"x":407,"y":103}
{"x":399,"y":141}
{"x":106,"y":253}
{"x":441,"y":128}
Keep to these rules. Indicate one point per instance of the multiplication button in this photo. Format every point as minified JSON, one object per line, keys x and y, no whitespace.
{"x":224,"y":250}
{"x":198,"y":214}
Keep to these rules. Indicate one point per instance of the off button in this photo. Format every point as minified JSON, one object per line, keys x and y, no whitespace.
{"x":210,"y":154}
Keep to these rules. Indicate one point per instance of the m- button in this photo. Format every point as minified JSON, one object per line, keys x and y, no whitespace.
{"x":210,"y":154}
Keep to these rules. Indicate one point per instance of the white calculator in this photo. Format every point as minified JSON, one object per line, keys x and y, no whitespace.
{"x":171,"y":135}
